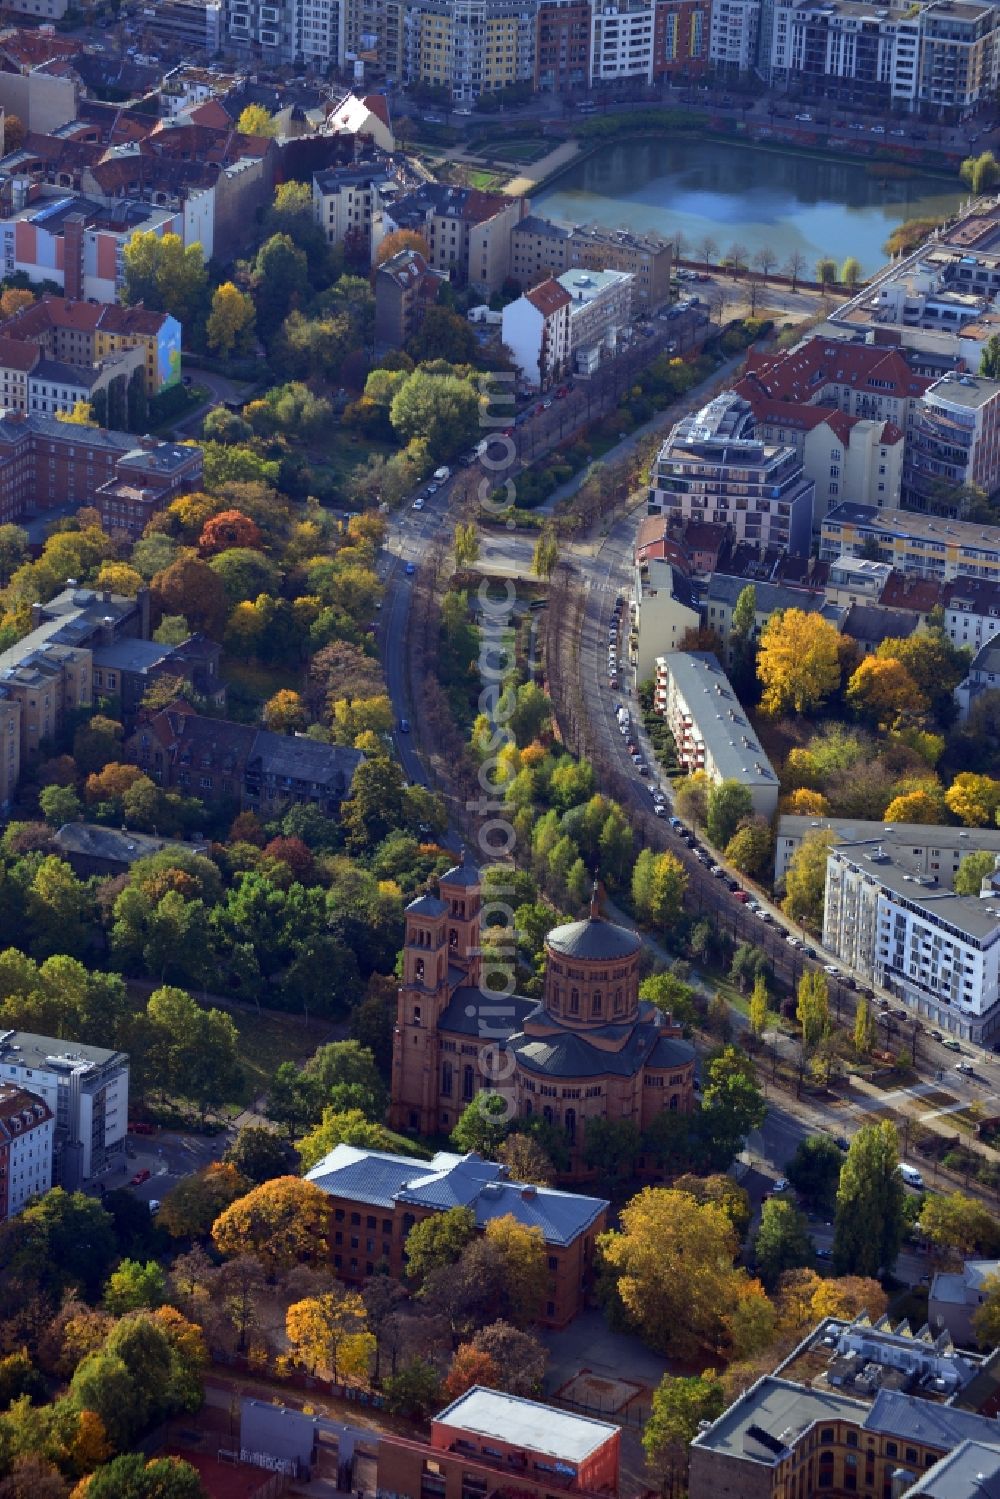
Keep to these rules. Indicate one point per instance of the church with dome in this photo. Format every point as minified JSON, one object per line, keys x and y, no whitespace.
{"x":590,"y":1048}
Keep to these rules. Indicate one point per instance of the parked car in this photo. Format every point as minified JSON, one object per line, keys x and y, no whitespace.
{"x":404,"y":725}
{"x":951,"y":1044}
{"x":418,"y":503}
{"x":741,"y":896}
{"x":140,"y":1177}
{"x":410,"y":569}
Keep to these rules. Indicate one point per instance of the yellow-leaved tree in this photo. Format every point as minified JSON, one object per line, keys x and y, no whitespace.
{"x":330,"y":1333}
{"x":281,"y":1223}
{"x":230,"y":323}
{"x":798,"y":662}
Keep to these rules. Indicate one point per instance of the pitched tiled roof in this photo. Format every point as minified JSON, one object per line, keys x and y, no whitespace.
{"x":871,"y":624}
{"x":920,"y":594}
{"x":800,"y":374}
{"x":548,"y":296}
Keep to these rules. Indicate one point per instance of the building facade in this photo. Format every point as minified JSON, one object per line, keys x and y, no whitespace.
{"x":85,"y":1088}
{"x":714,"y":467}
{"x":932,"y":850}
{"x":710,"y":728}
{"x":489,"y":1442}
{"x":536,"y":329}
{"x":621,"y":41}
{"x":590,"y":1048}
{"x":27,"y":1140}
{"x":916,"y":545}
{"x":600,"y":310}
{"x":376,"y":1198}
{"x":467,"y":231}
{"x":562,"y":46}
{"x":665,"y":609}
{"x":954,"y":444}
{"x":541,"y":248}
{"x":405,"y":286}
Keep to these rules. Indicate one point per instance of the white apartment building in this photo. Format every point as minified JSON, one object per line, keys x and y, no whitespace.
{"x":938,"y":951}
{"x":288,"y":31}
{"x":86,"y":1089}
{"x":929,"y":849}
{"x":536,"y":329}
{"x":621,"y":40}
{"x":733,"y":33}
{"x":27,"y":1131}
{"x":600,"y":310}
{"x":665,"y":609}
{"x":710,"y":728}
{"x":350,"y":204}
{"x":971,"y":612}
{"x":849,"y":49}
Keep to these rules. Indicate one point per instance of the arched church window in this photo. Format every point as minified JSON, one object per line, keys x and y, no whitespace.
{"x":574,"y":1001}
{"x":596,"y":1003}
{"x":569,"y":1123}
{"x":447,"y":1079}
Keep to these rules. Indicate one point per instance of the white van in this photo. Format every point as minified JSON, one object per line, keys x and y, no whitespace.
{"x":441,"y":474}
{"x":911,"y":1176}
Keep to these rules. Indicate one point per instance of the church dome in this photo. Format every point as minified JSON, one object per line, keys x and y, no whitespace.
{"x":594,"y":940}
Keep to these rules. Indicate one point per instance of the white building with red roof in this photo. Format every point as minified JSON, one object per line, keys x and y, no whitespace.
{"x":536,"y":329}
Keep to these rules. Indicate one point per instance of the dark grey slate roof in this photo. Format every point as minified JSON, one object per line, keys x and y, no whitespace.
{"x":426,"y":905}
{"x":872,"y":625}
{"x":131,"y":655}
{"x":470,"y":1012}
{"x":908,"y":1416}
{"x":300,"y":758}
{"x":594,"y":939}
{"x":115,"y":843}
{"x":671,"y":1051}
{"x":462,"y":873}
{"x":569,"y":1053}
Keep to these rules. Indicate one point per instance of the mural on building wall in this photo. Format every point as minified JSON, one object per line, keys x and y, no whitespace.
{"x":168,"y":352}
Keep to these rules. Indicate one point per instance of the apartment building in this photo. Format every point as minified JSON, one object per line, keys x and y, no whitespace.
{"x":376,"y":1197}
{"x":85,"y":1088}
{"x":536,"y":329}
{"x":722,"y":593}
{"x":847,"y":50}
{"x":681,"y":34}
{"x":938,"y":951}
{"x":600,"y":310}
{"x":288,"y":31}
{"x":916,"y":545}
{"x":562,"y":46}
{"x":710,"y":728}
{"x":714,"y":467}
{"x":928,"y":849}
{"x":856,"y":1408}
{"x":666,"y":608}
{"x":621,"y":41}
{"x":350,"y":205}
{"x":971,"y":611}
{"x":541,"y":248}
{"x":468,"y":232}
{"x":479,"y":47}
{"x":88,"y":333}
{"x":959,"y":59}
{"x":954,"y":442}
{"x":405,"y":286}
{"x":222,"y":762}
{"x":196,"y":25}
{"x":27,"y":1140}
{"x":856,"y":580}
{"x":487,"y":1442}
{"x":733,"y":34}
{"x":78,"y":244}
{"x":955,"y":1297}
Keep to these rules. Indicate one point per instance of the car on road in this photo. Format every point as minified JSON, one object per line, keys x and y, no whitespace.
{"x":766,"y":916}
{"x":878,"y":129}
{"x":900,"y":1015}
{"x":741,"y":896}
{"x":404,"y":725}
{"x":832,"y":969}
{"x":410,"y":569}
{"x":432,"y":489}
{"x":911,"y":1176}
{"x":442,"y":474}
{"x":936,"y":1036}
{"x":154,"y":1206}
{"x":823,"y":1253}
{"x":966,"y":1068}
{"x":804,"y":119}
{"x":659,"y":810}
{"x":951,"y":1044}
{"x":781,"y":1185}
{"x":675,"y":822}
{"x":140,"y":1177}
{"x":643,"y":770}
{"x":613,"y":682}
{"x":418,"y":503}
{"x":794,"y":941}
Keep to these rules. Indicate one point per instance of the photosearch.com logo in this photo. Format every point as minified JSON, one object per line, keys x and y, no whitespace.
{"x":496,"y":836}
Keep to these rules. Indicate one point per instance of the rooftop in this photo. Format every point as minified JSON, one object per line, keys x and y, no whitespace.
{"x":586,"y":286}
{"x":719,"y":718}
{"x":872,"y":624}
{"x":964,"y":390}
{"x":978,"y":921}
{"x":539,"y":1428}
{"x":970,"y":1471}
{"x":763,"y":1423}
{"x":593,"y":940}
{"x":47,"y":1054}
{"x":91,"y":839}
{"x":381,"y":1179}
{"x":913,"y":524}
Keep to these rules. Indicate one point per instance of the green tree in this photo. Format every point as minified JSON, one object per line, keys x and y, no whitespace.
{"x":813,"y":1008}
{"x":782,"y":1241}
{"x":257,"y":1154}
{"x":59,"y":804}
{"x":758,"y":1007}
{"x":826,"y":271}
{"x":61,"y":1240}
{"x":980,"y":173}
{"x":671,"y":995}
{"x":342,"y":1127}
{"x":131,"y":1476}
{"x":970,"y":874}
{"x":134,"y":1286}
{"x":443,"y":410}
{"x":294,"y":1100}
{"x":443,"y":335}
{"x":414,"y":1391}
{"x":989,"y":360}
{"x":805,"y":878}
{"x":348,"y":1078}
{"x":611,"y":1148}
{"x":865,"y":1029}
{"x":546,"y":555}
{"x":868,"y":1227}
{"x":732,"y":1105}
{"x":850,"y":273}
{"x":679,"y":1407}
{"x":375,"y":806}
{"x":958,"y":1226}
{"x":482,"y":1124}
{"x":814,"y":1171}
{"x":165,"y":275}
{"x":466,"y":544}
{"x":751,"y":847}
{"x":728,"y":804}
{"x":280,"y":280}
{"x":438,"y":1241}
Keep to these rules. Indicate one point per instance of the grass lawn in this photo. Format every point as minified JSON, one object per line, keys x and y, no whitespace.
{"x":251,"y":684}
{"x":484,"y":180}
{"x":519,"y":150}
{"x":340,"y":453}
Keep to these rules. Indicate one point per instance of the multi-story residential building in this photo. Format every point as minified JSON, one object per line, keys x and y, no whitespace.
{"x":929,"y":849}
{"x":733,"y":34}
{"x":488,"y":1442}
{"x":478,"y":47}
{"x":710,"y":728}
{"x":86,"y":1089}
{"x":621,"y":41}
{"x":376,"y":1197}
{"x":847,"y":50}
{"x":938,"y":951}
{"x":222,"y":762}
{"x":856,"y":580}
{"x":288,"y":31}
{"x":88,"y":333}
{"x":681,"y":32}
{"x":27,"y":1140}
{"x":959,"y":58}
{"x":196,"y":25}
{"x":954,"y":444}
{"x":349,"y":203}
{"x":714,"y":467}
{"x":405,"y":286}
{"x":562,"y":46}
{"x":954,"y":1298}
{"x":971,"y":611}
{"x":854,"y":1409}
{"x":983,"y":676}
{"x":468,"y":232}
{"x":78,"y":244}
{"x":541,"y":248}
{"x":588,"y":1049}
{"x":917,"y":545}
{"x":666,"y":608}
{"x":870,"y":625}
{"x":536,"y":329}
{"x":720,"y":597}
{"x":600,"y":310}
{"x":54,"y":386}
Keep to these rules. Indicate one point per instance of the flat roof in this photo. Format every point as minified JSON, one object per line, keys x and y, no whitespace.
{"x":916,"y":834}
{"x":778,"y":1411}
{"x":972,"y":391}
{"x":541,"y":1428}
{"x":720,"y":718}
{"x":47,"y":1054}
{"x":974,"y":918}
{"x":913,"y":523}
